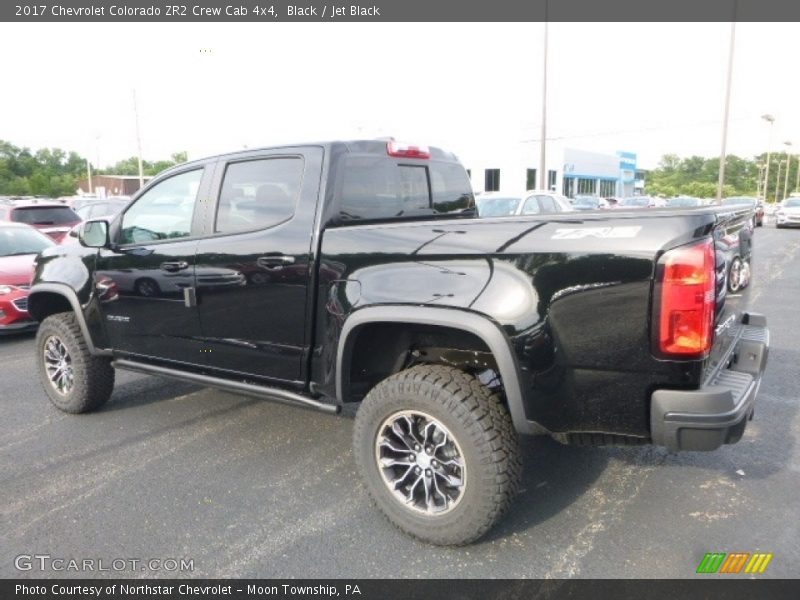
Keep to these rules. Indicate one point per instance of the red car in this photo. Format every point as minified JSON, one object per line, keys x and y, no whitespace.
{"x":53,"y":218}
{"x":19,"y":245}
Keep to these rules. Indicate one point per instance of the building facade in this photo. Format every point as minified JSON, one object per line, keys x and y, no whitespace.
{"x":570,"y":171}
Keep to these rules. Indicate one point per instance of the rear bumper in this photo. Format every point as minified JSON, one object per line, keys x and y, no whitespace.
{"x":717,"y":412}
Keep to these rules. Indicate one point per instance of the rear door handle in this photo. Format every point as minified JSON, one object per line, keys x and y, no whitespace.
{"x":275,"y":261}
{"x":173,"y":267}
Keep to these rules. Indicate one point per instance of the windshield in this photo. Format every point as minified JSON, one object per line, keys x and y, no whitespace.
{"x":683,"y":202}
{"x":497,"y":207}
{"x":791,"y":203}
{"x":588,"y":201}
{"x":45,"y":215}
{"x":635,"y":202}
{"x":21,"y":240}
{"x":748,"y":201}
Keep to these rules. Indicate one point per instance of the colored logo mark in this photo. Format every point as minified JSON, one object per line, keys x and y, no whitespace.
{"x":734,"y":562}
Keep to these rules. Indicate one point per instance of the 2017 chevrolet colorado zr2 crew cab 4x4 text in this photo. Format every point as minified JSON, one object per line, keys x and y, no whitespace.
{"x":358,"y":272}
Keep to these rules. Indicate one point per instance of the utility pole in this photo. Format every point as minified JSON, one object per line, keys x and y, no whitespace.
{"x":89,"y":175}
{"x":778,"y":179}
{"x":722,"y":156}
{"x":138,"y":140}
{"x":788,"y":165}
{"x":771,"y":120}
{"x":542,"y":162}
{"x":797,"y":183}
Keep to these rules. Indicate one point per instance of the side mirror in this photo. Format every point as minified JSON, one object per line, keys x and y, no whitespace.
{"x":94,"y":234}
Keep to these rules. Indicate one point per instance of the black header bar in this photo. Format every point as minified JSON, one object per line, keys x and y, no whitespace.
{"x":277,"y":11}
{"x":732,"y":588}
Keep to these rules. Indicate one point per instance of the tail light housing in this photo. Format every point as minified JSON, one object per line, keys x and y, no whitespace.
{"x":685,"y":301}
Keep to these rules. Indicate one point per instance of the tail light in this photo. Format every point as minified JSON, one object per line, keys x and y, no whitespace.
{"x":685,"y":301}
{"x":407,"y":150}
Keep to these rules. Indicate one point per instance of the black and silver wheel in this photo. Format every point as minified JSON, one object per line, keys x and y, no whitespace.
{"x":735,"y":275}
{"x":74,"y":379}
{"x":421,"y":462}
{"x":58,"y":365}
{"x":438,"y":453}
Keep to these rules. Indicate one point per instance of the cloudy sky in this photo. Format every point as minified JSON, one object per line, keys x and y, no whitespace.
{"x":210,"y":88}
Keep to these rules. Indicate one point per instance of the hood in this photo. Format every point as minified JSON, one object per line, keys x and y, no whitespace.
{"x":16,"y":270}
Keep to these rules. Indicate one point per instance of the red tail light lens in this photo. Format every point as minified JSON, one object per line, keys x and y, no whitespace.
{"x":686,"y":302}
{"x":407,"y":150}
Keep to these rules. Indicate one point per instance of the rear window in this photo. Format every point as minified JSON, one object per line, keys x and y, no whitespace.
{"x":374,"y":187}
{"x":44,"y":215}
{"x":16,"y":240}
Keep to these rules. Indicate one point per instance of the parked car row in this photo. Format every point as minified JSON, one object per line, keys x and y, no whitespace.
{"x":19,"y":246}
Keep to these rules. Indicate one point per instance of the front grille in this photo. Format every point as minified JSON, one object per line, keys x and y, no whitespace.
{"x":21,"y":304}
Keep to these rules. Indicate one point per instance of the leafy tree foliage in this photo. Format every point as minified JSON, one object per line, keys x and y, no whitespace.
{"x":697,"y":176}
{"x":52,"y":172}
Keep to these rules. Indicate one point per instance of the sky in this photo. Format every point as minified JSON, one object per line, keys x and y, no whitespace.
{"x":472,"y":88}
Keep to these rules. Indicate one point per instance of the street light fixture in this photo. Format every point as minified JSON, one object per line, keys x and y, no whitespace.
{"x":788,"y":165}
{"x":771,"y":120}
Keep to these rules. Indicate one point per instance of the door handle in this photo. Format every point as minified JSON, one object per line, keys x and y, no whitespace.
{"x":173,"y":267}
{"x":275,"y":261}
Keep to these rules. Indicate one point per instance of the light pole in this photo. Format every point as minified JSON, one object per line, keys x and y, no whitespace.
{"x":721,"y":180}
{"x":542,"y":162}
{"x":760,"y":167}
{"x":778,"y":179}
{"x":138,"y":140}
{"x":797,"y":183}
{"x":788,"y":165}
{"x":771,"y":120}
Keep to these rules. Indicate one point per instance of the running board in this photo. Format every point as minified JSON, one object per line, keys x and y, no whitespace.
{"x":236,"y":387}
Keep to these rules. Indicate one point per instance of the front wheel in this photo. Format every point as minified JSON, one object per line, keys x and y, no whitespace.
{"x":438,"y":453}
{"x":75,"y":380}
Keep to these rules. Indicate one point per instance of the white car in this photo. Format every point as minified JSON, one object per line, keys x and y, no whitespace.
{"x":788,"y":213}
{"x":532,"y":202}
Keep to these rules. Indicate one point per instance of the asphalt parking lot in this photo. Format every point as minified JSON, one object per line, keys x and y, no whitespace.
{"x":248,"y":488}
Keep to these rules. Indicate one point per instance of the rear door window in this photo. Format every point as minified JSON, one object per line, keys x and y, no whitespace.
{"x":44,"y":215}
{"x":547,"y":204}
{"x":257,"y":194}
{"x":531,"y":206}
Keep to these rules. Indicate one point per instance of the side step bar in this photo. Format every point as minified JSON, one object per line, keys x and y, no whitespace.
{"x":236,"y":387}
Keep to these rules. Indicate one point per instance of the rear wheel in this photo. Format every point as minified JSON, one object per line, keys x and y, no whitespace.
{"x":438,"y":453}
{"x":74,"y":379}
{"x":735,"y":275}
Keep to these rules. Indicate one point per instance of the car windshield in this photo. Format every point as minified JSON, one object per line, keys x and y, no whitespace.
{"x":587,"y":201}
{"x":635,"y":202}
{"x":22,"y":240}
{"x":497,"y":207}
{"x":45,"y":215}
{"x":791,"y":203}
{"x":683,"y":202}
{"x":747,"y":201}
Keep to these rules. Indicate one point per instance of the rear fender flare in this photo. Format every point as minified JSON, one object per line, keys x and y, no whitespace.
{"x":470,"y":322}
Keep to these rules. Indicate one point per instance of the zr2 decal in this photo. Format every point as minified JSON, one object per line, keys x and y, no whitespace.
{"x":597,"y":232}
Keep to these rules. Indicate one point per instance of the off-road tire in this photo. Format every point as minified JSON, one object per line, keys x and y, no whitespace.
{"x":93,"y":376}
{"x":481,"y":426}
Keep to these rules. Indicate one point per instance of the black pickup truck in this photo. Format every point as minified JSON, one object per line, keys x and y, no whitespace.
{"x":358,"y":272}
